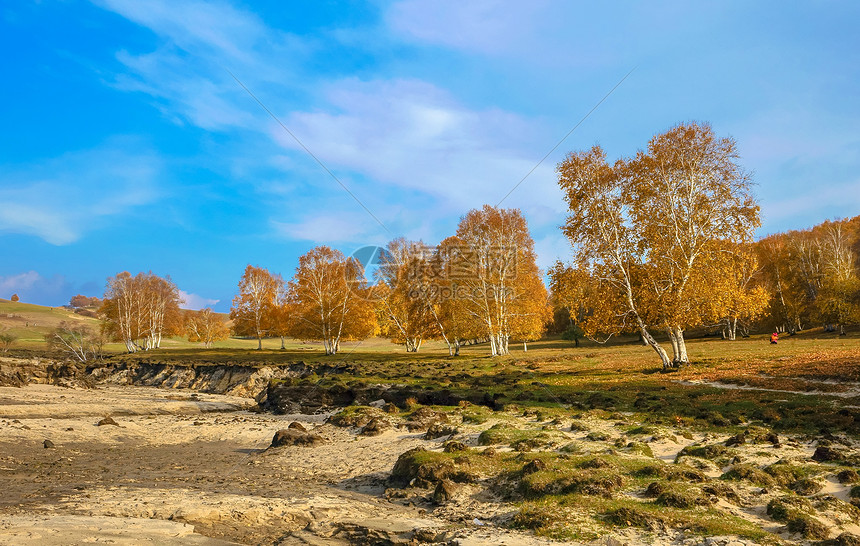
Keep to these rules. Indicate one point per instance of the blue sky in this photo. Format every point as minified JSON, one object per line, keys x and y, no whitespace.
{"x":127,"y":144}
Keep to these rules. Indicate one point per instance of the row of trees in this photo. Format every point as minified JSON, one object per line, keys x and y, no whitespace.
{"x":813,"y":276}
{"x":662,"y":242}
{"x":481,"y":283}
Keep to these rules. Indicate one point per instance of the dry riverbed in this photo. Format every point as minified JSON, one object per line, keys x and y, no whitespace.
{"x":178,"y":467}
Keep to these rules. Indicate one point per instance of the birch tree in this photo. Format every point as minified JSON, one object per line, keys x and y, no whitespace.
{"x":206,"y":326}
{"x":139,"y":311}
{"x":651,"y":231}
{"x":408,"y":303}
{"x":254,"y":307}
{"x":328,"y":299}
{"x":493,"y":274}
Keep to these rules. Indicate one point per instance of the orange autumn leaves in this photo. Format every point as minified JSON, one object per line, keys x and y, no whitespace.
{"x":662,"y":241}
{"x":481,"y":284}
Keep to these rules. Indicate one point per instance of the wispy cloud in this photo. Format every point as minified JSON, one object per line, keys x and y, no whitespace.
{"x":327,"y":228}
{"x":60,"y":199}
{"x":412,"y":135}
{"x":32,"y":287}
{"x":194,"y":301}
{"x":392,"y":135}
{"x":487,"y":26}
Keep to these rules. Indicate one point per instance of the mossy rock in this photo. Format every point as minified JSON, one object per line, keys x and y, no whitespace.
{"x":848,"y":476}
{"x":676,"y":472}
{"x":596,"y":462}
{"x":846,"y":539}
{"x":796,"y":513}
{"x":355,"y":416}
{"x":808,"y":527}
{"x":710,"y":452}
{"x":754,"y":435}
{"x":422,"y":468}
{"x":631,"y":515}
{"x":786,"y":474}
{"x":551,"y":482}
{"x":750,"y":473}
{"x":578,"y":426}
{"x":534,"y":517}
{"x":655,"y":489}
{"x":722,"y":491}
{"x":640,"y":448}
{"x":572,"y":447}
{"x":680,"y":499}
{"x":806,"y":486}
{"x":597,"y":437}
{"x":827,"y":454}
{"x":642,"y":430}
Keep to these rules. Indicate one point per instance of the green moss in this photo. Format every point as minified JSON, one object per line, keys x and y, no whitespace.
{"x":519,"y":439}
{"x":749,"y":473}
{"x":710,"y":452}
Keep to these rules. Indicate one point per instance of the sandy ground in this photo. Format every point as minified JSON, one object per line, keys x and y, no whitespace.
{"x":181,"y":467}
{"x":192,"y":468}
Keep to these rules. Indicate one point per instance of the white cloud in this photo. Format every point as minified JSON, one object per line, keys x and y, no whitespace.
{"x":201,"y":41}
{"x":60,"y":199}
{"x":195,"y":302}
{"x":20,"y":282}
{"x":419,"y":155}
{"x":330,"y":228}
{"x":216,"y":26}
{"x":487,"y":26}
{"x":412,"y":135}
{"x":32,"y":287}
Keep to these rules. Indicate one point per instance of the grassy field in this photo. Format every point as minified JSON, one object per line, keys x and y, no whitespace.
{"x":621,"y":375}
{"x":805,"y":389}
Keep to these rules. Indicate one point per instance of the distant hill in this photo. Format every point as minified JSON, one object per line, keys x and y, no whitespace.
{"x":30,"y":322}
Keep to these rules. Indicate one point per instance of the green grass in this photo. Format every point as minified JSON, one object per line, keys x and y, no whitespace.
{"x":554,"y":378}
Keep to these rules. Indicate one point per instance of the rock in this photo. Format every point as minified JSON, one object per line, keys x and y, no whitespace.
{"x":828,"y":454}
{"x":295,"y":425}
{"x":375,"y":427}
{"x":293,"y":437}
{"x":437,"y":431}
{"x":453,"y":446}
{"x":390,"y":408}
{"x":377,"y":403}
{"x":426,"y":535}
{"x":806,"y":486}
{"x":444,"y":491}
{"x":535,"y":465}
{"x":107,"y":421}
{"x":737,"y":440}
{"x":655,"y":489}
{"x":423,"y":418}
{"x":48,"y":444}
{"x":847,"y":539}
{"x":848,"y":476}
{"x":421,"y":468}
